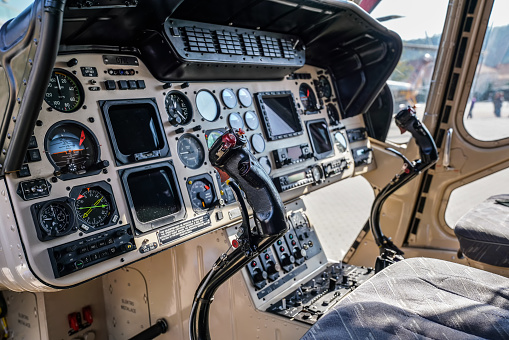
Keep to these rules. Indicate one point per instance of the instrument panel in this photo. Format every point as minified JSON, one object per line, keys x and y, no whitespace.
{"x":117,"y":168}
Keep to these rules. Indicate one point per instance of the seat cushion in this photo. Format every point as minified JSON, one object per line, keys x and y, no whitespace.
{"x":421,"y":299}
{"x":483,"y":232}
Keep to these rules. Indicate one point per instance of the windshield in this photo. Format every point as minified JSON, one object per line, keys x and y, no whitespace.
{"x":11,"y":8}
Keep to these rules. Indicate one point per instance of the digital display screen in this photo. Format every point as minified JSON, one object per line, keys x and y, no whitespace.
{"x":136,"y":128}
{"x":320,"y":138}
{"x":294,"y":152}
{"x":153,"y":193}
{"x":296,"y":177}
{"x":282,"y":117}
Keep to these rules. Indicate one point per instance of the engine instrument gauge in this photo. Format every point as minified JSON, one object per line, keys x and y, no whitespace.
{"x":333,"y":114}
{"x":340,"y":140}
{"x":211,"y":136}
{"x":245,"y":97}
{"x":201,"y":191}
{"x":258,"y":143}
{"x":64,"y":92}
{"x":179,"y":108}
{"x":93,"y":207}
{"x":251,"y":119}
{"x":190,"y":151}
{"x":72,"y":149}
{"x":207,"y":105}
{"x":235,"y":120}
{"x":323,"y":87}
{"x":53,"y":219}
{"x":229,"y":98}
{"x":265,"y":163}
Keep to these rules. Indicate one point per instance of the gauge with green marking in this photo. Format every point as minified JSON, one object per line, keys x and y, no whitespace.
{"x":93,"y":206}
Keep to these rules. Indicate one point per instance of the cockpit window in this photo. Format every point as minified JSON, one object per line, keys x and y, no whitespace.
{"x":11,"y":8}
{"x":486,"y":115}
{"x":410,"y":81}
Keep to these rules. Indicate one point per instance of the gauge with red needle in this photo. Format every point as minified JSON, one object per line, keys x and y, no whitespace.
{"x":202,"y":193}
{"x":308,"y":98}
{"x":71,"y":148}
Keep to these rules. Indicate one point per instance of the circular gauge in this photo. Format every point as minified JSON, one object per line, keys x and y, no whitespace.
{"x":71,"y":147}
{"x":92,"y":206}
{"x":340,"y":141}
{"x":56,"y":219}
{"x":265,"y":163}
{"x":190,"y":151}
{"x":245,"y":97}
{"x":207,"y":105}
{"x":307,"y":97}
{"x":251,"y":119}
{"x":64,"y":92}
{"x":178,"y":107}
{"x":235,"y":121}
{"x":212,"y":136}
{"x":229,"y":99}
{"x":258,"y":143}
{"x":325,"y":90}
{"x":201,"y":192}
{"x":333,"y":114}
{"x":317,"y":173}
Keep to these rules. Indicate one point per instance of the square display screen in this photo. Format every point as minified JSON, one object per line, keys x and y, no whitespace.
{"x":153,"y":193}
{"x":136,"y":128}
{"x":281,"y":115}
{"x":320,"y":138}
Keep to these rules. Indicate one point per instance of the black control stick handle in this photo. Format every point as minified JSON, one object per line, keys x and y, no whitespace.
{"x":228,"y":154}
{"x":406,"y":121}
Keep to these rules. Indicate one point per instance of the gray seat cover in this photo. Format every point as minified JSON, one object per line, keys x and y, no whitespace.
{"x":483,"y":232}
{"x":421,"y":299}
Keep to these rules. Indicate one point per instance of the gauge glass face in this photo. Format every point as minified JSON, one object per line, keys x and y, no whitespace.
{"x":207,"y":105}
{"x":202,"y":194}
{"x":93,"y":207}
{"x":179,"y":108}
{"x":325,"y":87}
{"x":340,"y":141}
{"x":64,"y":92}
{"x":307,"y":98}
{"x":251,"y":119}
{"x":71,"y":147}
{"x":265,"y":163}
{"x":213,"y":136}
{"x":229,"y":98}
{"x":245,"y":97}
{"x":190,"y":151}
{"x":258,"y":143}
{"x":55,"y":219}
{"x":235,"y":121}
{"x":333,"y":114}
{"x":317,"y":173}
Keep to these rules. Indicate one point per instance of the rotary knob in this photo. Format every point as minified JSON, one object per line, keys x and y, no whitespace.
{"x":259,"y":275}
{"x":287,"y":260}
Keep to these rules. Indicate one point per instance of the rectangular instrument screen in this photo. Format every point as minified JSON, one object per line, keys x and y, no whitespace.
{"x":320,"y":138}
{"x":281,"y":117}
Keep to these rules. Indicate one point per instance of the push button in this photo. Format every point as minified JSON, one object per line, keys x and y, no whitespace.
{"x":122,"y":85}
{"x":33,"y":155}
{"x":133,"y":85}
{"x":110,"y":85}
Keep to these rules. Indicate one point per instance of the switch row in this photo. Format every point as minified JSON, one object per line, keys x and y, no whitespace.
{"x":125,"y":84}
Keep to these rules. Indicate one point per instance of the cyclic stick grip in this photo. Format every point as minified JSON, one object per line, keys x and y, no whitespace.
{"x":228,"y":154}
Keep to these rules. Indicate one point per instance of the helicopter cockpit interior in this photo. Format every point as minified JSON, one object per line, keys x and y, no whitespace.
{"x":200,"y":169}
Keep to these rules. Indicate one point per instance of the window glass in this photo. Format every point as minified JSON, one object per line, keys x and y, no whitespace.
{"x":487,"y":113}
{"x":11,"y":8}
{"x":420,"y":25}
{"x":466,"y":197}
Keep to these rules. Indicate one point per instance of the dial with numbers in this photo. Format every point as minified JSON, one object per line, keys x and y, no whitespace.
{"x":64,"y":92}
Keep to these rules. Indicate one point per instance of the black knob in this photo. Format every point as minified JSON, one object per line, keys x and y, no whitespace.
{"x":259,"y":275}
{"x":72,"y":62}
{"x":184,"y":85}
{"x":197,"y":128}
{"x":167,"y":85}
{"x":271,"y":268}
{"x":180,"y":130}
{"x":298,"y":253}
{"x":287,"y":260}
{"x":102,"y":164}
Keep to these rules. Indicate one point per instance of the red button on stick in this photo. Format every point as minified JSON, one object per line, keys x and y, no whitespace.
{"x":229,"y":139}
{"x":235,"y":244}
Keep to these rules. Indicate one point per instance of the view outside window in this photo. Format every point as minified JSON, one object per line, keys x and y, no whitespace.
{"x":11,"y":8}
{"x":420,"y":25}
{"x":487,"y":113}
